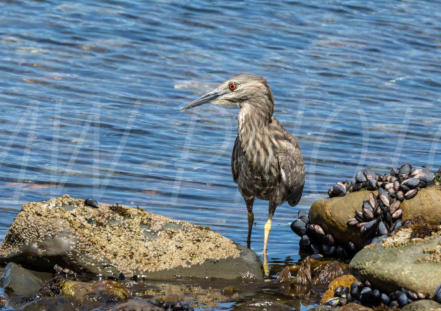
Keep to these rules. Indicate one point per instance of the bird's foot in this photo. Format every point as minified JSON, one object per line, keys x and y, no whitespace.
{"x":265,"y":265}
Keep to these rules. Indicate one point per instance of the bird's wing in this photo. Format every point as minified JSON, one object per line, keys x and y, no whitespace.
{"x":235,"y":161}
{"x":290,"y":160}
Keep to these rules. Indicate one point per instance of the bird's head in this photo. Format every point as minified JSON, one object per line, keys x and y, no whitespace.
{"x":239,"y":91}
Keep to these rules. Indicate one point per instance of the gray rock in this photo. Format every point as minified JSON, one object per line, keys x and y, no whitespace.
{"x":110,"y":240}
{"x":18,"y":281}
{"x":422,"y":305}
{"x":91,"y":295}
{"x":135,"y":305}
{"x":354,"y":307}
{"x":324,"y":308}
{"x":401,"y":261}
{"x":262,"y":304}
{"x":52,"y":304}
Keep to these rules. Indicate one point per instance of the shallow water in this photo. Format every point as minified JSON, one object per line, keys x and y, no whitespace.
{"x":90,"y":96}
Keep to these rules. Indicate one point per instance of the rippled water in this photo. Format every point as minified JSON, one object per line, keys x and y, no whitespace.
{"x":91,"y":91}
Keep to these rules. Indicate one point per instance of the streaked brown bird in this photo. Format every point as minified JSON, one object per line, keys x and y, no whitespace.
{"x":266,"y":162}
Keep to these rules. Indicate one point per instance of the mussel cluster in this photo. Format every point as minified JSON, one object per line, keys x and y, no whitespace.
{"x":314,"y":240}
{"x":379,"y":216}
{"x":365,"y":294}
{"x":400,"y":183}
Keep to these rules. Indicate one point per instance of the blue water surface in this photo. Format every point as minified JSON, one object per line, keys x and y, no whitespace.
{"x":91,"y":91}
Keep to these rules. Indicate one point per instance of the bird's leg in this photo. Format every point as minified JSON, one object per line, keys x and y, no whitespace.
{"x":267,"y":228}
{"x":271,"y":210}
{"x":249,"y":203}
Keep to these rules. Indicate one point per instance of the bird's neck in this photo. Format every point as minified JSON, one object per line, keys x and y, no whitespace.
{"x":251,"y":121}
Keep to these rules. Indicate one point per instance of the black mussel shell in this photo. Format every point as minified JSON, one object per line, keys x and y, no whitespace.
{"x":360,"y":177}
{"x":405,"y":169}
{"x":299,"y":227}
{"x":91,"y":203}
{"x":411,"y":182}
{"x":382,"y":230}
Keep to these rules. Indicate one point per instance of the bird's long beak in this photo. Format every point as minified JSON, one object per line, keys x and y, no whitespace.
{"x":204,"y":99}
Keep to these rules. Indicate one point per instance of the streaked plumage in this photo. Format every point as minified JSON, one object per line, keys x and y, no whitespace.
{"x":266,"y":162}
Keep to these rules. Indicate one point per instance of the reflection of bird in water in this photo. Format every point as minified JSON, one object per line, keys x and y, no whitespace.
{"x":267,"y":162}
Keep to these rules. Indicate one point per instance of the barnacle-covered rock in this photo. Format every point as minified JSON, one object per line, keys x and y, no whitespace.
{"x":113,"y":239}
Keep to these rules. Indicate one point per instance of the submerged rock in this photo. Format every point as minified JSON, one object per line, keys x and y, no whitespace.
{"x":264,"y":305}
{"x":52,"y":304}
{"x":18,"y":281}
{"x":328,"y":273}
{"x":115,"y":240}
{"x":3,"y":302}
{"x":354,"y":307}
{"x":135,"y":304}
{"x":323,"y":308}
{"x":401,"y":261}
{"x":100,"y":292}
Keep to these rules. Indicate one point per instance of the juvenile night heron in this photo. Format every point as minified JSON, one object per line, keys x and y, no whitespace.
{"x":266,"y":162}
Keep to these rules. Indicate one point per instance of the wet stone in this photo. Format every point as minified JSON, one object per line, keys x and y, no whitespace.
{"x":136,"y":305}
{"x":94,"y":293}
{"x":329,"y":272}
{"x":401,"y":261}
{"x":52,"y":304}
{"x":18,"y":281}
{"x":145,"y":305}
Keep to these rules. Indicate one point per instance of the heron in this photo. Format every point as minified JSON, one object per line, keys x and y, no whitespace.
{"x":267,"y":162}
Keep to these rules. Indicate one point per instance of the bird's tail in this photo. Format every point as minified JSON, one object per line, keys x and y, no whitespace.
{"x":295,"y":196}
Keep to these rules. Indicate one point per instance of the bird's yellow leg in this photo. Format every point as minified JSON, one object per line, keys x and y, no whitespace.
{"x":267,"y":229}
{"x":265,"y":244}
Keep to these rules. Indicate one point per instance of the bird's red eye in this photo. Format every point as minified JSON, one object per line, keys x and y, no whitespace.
{"x":232,"y":86}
